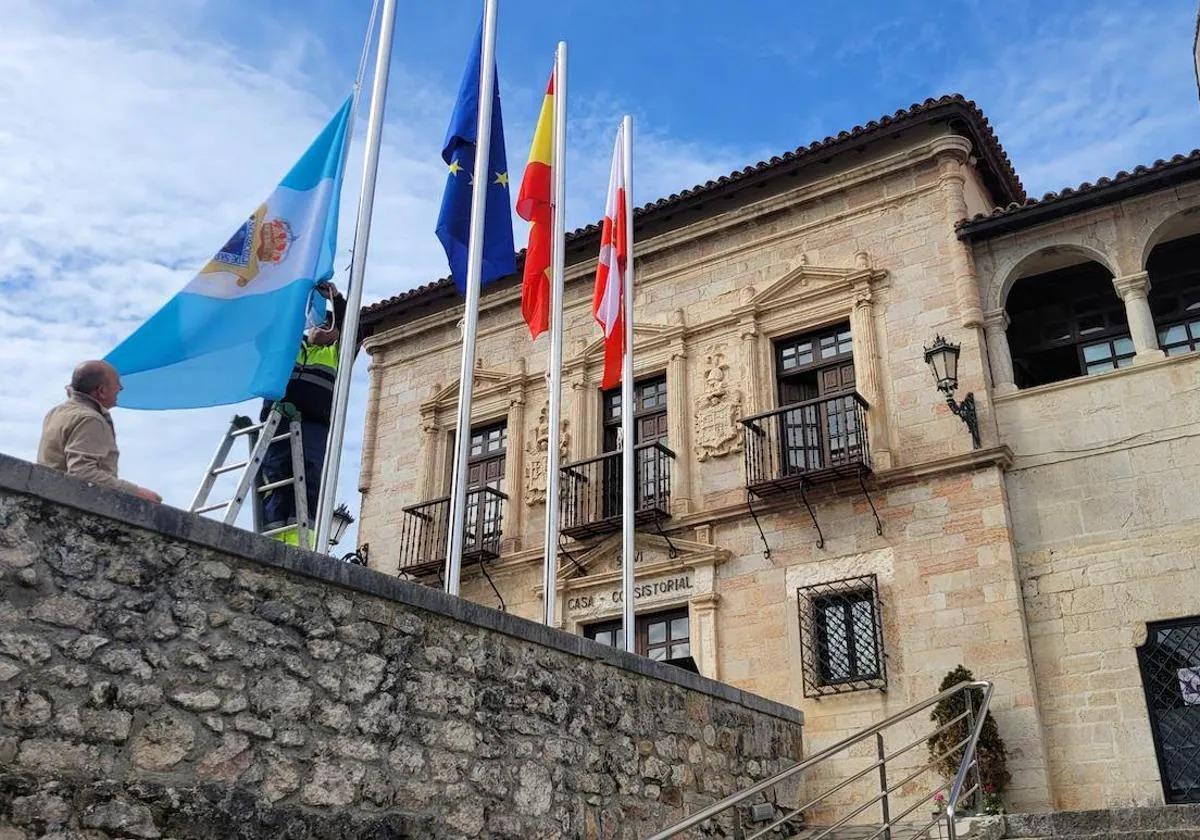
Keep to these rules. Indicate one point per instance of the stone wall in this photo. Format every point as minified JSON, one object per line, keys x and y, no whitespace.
{"x":165,"y":676}
{"x":869,"y":241}
{"x":1107,"y":524}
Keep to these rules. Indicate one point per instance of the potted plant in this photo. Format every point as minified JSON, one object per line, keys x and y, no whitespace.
{"x":990,"y":751}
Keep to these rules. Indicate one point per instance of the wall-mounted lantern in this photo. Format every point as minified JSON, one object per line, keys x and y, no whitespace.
{"x":942,"y":358}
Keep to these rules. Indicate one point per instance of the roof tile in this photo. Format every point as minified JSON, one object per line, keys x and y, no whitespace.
{"x":1007,"y":175}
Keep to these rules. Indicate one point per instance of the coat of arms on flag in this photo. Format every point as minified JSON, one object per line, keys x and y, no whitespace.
{"x":258,"y":240}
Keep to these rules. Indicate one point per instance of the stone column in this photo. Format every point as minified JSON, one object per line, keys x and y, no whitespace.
{"x":748,"y":334}
{"x":514,"y":470}
{"x":867,"y":378}
{"x":679,"y":422}
{"x":995,"y":328}
{"x":950,"y":161}
{"x":428,"y":460}
{"x":703,"y":616}
{"x":1134,"y":290}
{"x":371,"y":432}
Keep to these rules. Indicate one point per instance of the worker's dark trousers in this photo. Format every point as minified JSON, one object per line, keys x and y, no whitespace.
{"x":280,"y":506}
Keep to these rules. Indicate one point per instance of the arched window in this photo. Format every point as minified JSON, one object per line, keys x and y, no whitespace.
{"x":1174,"y":269}
{"x":1066,"y":323}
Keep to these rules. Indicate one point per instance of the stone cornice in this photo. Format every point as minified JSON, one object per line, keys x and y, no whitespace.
{"x":790,"y":199}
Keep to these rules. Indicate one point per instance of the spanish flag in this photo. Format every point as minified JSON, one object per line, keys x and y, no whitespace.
{"x":534,"y":205}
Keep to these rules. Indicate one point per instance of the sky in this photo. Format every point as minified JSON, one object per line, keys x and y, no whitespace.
{"x":137,"y":134}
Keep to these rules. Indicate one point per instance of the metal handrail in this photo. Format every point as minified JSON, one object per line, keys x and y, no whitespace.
{"x":956,"y":789}
{"x":414,"y":509}
{"x":654,"y":444}
{"x":783,"y":409}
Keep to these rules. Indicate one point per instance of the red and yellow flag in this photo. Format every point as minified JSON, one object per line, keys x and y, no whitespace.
{"x":534,"y":205}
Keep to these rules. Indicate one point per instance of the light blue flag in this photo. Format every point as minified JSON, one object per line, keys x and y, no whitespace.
{"x":233,"y":332}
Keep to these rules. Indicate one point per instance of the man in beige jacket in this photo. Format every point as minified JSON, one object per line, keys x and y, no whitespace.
{"x":78,"y":437}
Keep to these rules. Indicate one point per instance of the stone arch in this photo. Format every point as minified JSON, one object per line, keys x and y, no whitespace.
{"x":1041,"y":257}
{"x":1164,"y":223}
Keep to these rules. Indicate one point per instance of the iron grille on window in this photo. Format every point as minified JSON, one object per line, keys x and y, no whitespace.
{"x":841,"y":636}
{"x":1170,"y":665}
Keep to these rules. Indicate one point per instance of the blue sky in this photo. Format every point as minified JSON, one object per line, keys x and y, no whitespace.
{"x":138,"y":133}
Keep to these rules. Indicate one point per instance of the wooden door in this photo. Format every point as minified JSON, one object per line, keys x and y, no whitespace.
{"x":839,"y":419}
{"x":485,"y":468}
{"x":800,"y":429}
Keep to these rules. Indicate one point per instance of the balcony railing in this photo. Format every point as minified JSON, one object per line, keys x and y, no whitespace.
{"x":590,"y":502}
{"x":426,"y":527}
{"x":807,"y":441}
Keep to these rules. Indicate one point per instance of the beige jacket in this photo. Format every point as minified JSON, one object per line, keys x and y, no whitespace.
{"x":78,"y":438}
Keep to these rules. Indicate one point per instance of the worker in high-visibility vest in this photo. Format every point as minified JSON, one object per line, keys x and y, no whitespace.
{"x":309,"y":397}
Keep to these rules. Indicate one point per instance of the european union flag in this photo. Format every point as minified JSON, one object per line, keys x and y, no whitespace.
{"x":458,"y":152}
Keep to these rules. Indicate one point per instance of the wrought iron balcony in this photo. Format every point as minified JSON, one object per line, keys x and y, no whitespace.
{"x":805,"y":442}
{"x":590,"y":495}
{"x":426,"y":527}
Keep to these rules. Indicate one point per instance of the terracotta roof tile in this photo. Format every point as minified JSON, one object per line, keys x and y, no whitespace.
{"x":993,"y":153}
{"x":1104,"y":189}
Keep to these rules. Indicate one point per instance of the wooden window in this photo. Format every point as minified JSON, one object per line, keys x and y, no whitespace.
{"x":649,"y":413}
{"x":1175,"y":294}
{"x":485,"y":459}
{"x":845,"y":628}
{"x":810,"y":367}
{"x":1066,"y":323}
{"x":650,"y":426}
{"x":841,"y":636}
{"x":485,"y":468}
{"x":660,"y":636}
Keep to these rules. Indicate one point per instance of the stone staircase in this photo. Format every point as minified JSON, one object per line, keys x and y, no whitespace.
{"x":1164,"y":822}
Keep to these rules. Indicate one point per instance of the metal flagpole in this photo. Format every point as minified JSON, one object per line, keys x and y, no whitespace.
{"x":627,"y":432}
{"x":466,"y":371}
{"x":558,"y":263}
{"x":362,"y":234}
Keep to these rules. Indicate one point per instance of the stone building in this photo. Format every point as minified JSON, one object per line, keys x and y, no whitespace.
{"x":816,"y":524}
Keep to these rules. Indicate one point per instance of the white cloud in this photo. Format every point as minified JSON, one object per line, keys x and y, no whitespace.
{"x":1077,"y":96}
{"x":134,"y":148}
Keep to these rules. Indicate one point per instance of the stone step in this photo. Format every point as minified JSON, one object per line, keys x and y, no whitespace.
{"x":862,"y":832}
{"x":1163,"y":822}
{"x":1136,"y":834}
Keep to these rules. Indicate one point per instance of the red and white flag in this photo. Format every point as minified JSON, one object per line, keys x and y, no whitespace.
{"x":607,"y":300}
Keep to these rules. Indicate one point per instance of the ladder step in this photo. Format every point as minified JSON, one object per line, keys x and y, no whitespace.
{"x":283,"y":482}
{"x":270,"y":532}
{"x":230,"y":467}
{"x":247,"y":430}
{"x":217,"y":506}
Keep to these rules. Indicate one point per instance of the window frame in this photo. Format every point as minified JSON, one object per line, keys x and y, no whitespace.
{"x":610,"y":410}
{"x":819,"y":360}
{"x":641,"y":631}
{"x":1062,"y":301}
{"x":812,"y":601}
{"x":1175,"y":298}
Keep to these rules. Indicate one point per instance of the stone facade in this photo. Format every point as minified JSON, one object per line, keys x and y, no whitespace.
{"x":985,"y":556}
{"x":165,"y":676}
{"x":1103,"y":493}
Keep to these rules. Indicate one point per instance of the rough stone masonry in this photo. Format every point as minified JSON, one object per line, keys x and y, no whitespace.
{"x":163,"y":676}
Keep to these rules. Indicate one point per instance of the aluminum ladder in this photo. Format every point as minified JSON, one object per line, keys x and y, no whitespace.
{"x":260,"y":436}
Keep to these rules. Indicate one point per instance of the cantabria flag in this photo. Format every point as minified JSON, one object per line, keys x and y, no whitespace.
{"x":233,"y":332}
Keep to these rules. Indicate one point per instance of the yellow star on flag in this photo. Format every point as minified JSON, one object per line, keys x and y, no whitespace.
{"x":454,"y":167}
{"x":502,"y":179}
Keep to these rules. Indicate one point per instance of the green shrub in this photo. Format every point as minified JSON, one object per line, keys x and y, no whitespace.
{"x":990,"y":751}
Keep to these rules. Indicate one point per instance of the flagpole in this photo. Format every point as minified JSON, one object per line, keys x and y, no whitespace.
{"x":466,"y":371}
{"x":348,"y":342}
{"x":558,"y":257}
{"x":627,"y":432}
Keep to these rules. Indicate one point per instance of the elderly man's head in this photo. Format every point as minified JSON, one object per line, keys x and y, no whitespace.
{"x":98,"y":380}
